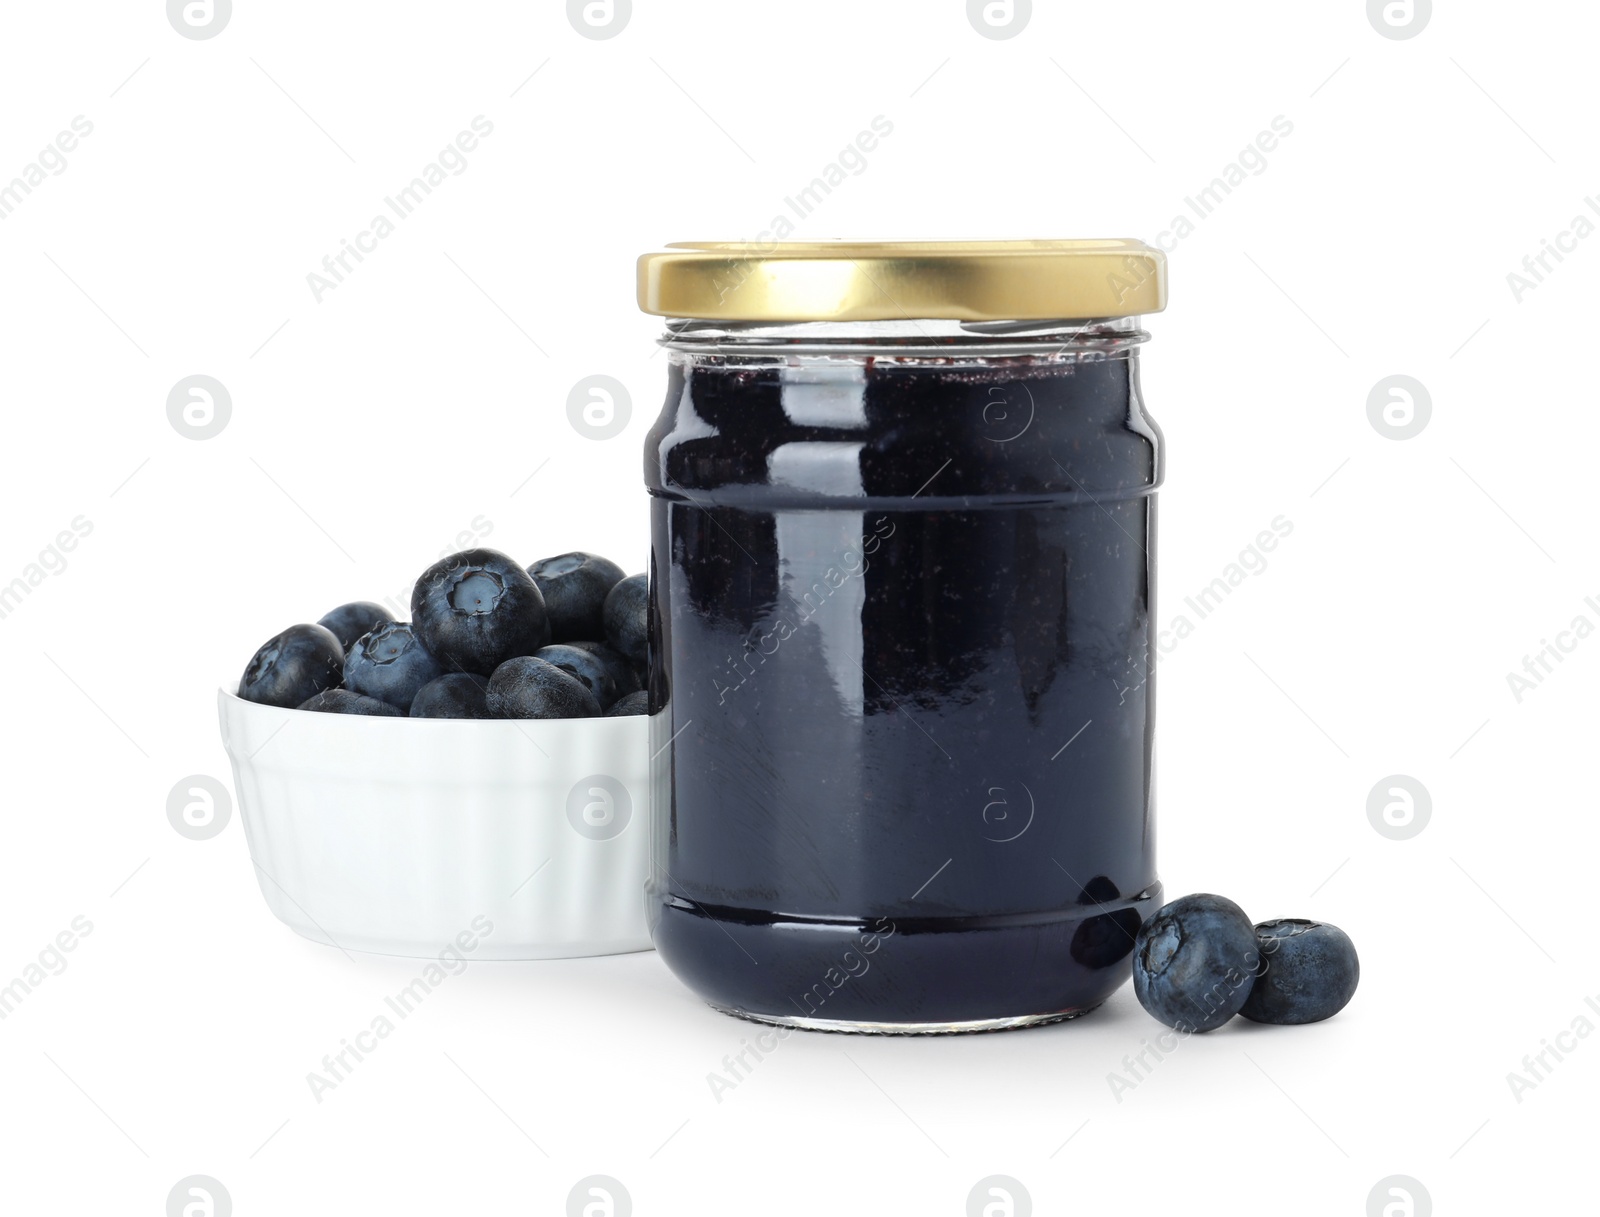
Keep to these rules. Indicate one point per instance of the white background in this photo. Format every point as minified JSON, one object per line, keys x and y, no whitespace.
{"x":370,"y":429}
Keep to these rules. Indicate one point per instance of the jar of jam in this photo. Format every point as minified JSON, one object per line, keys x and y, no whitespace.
{"x":902,"y":577}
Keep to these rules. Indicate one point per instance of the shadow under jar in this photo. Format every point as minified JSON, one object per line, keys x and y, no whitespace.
{"x":903,"y":526}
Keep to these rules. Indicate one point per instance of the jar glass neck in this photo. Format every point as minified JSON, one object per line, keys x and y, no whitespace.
{"x":932,"y":339}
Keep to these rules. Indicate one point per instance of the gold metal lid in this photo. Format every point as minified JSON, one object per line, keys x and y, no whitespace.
{"x":894,"y":280}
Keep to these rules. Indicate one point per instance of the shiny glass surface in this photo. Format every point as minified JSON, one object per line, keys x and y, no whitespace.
{"x":902,"y":681}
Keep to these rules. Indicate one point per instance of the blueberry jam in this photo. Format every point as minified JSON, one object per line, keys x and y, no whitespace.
{"x":900,"y":613}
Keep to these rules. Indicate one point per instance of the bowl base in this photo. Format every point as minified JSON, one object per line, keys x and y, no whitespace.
{"x":487,"y":949}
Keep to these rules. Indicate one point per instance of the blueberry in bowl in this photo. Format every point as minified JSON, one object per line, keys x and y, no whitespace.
{"x":391,"y":664}
{"x":349,"y":621}
{"x":574,"y":587}
{"x":525,"y":687}
{"x":626,"y":621}
{"x":453,"y":695}
{"x":294,"y":666}
{"x":633,"y":703}
{"x":624,"y":673}
{"x":478,"y":608}
{"x":343,"y":701}
{"x":589,"y":669}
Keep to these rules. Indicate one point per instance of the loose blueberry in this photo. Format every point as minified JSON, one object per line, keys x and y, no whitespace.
{"x":342,"y":701}
{"x":525,"y":687}
{"x":627,"y":628}
{"x":390,"y":664}
{"x":293,"y":666}
{"x":634,"y":703}
{"x":1194,"y":962}
{"x":454,"y":695}
{"x":478,"y":608}
{"x":574,"y":587}
{"x":588,"y":667}
{"x":621,"y":668}
{"x":1311,"y":973}
{"x":349,"y":621}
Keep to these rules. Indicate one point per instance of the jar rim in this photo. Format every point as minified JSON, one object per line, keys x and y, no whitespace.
{"x":889,"y":280}
{"x":932,"y":340}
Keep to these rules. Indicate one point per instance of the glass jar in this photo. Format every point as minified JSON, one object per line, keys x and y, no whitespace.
{"x":902,"y":580}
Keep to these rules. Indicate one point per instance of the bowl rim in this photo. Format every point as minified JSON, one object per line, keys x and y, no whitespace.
{"x":230,"y":701}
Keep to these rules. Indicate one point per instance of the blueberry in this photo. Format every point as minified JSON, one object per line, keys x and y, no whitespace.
{"x":454,"y":695}
{"x":574,"y":587}
{"x":349,"y":621}
{"x":296,"y":664}
{"x":478,"y":608}
{"x":1194,"y":962}
{"x":1311,"y":973}
{"x":342,"y":701}
{"x":525,"y":687}
{"x":626,"y":626}
{"x":391,"y":664}
{"x":621,"y":668}
{"x":588,"y":667}
{"x":633,"y":703}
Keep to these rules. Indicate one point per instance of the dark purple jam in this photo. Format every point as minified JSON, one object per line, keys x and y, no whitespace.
{"x":900,"y":618}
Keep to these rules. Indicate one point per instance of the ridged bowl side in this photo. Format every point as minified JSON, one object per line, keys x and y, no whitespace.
{"x":398,"y":835}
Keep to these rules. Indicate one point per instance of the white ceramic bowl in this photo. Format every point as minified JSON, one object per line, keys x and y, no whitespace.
{"x":398,"y":835}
